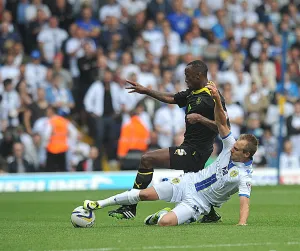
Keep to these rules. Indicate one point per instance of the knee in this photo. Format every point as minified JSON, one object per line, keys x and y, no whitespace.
{"x":144,"y":195}
{"x":146,"y":160}
{"x":165,"y":221}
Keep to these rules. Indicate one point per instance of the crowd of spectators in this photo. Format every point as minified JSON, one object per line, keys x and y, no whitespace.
{"x":72,"y":57}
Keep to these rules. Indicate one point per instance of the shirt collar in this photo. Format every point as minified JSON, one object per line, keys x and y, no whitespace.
{"x":204,"y":89}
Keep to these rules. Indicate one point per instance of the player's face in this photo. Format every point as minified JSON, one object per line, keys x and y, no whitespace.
{"x":191,"y":77}
{"x":238,"y":153}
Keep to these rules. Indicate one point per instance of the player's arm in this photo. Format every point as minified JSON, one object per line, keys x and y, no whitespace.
{"x":220,"y":115}
{"x":244,"y":210}
{"x":161,"y":96}
{"x":198,"y":118}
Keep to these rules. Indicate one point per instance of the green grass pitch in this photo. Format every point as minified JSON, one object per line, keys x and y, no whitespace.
{"x":41,"y":221}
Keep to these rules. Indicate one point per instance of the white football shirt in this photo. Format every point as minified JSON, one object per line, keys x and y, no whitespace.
{"x":223,"y":177}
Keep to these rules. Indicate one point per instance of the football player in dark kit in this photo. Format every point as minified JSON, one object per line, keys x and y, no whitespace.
{"x":200,"y":134}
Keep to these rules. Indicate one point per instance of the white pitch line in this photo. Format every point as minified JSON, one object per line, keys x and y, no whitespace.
{"x":183,"y":247}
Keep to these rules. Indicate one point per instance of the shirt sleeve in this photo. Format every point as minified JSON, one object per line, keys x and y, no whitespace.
{"x":181,"y":98}
{"x":245,"y":187}
{"x":228,"y":141}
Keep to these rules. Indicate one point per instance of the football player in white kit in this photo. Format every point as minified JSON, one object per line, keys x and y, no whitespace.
{"x":194,"y":193}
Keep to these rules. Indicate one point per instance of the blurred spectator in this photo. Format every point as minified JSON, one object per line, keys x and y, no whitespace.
{"x":35,"y":110}
{"x":6,"y":144}
{"x":90,"y":25}
{"x":133,"y":7}
{"x":7,"y":37}
{"x":79,"y":150}
{"x":235,"y":114}
{"x":293,"y":128}
{"x":128,"y":68}
{"x":102,"y":102}
{"x":39,"y":151}
{"x":269,"y":143}
{"x":63,"y":11}
{"x":17,"y":163}
{"x":59,"y":97}
{"x":254,"y":126}
{"x":57,"y":133}
{"x":111,"y":8}
{"x":35,"y":72}
{"x":206,"y":20}
{"x":32,"y":9}
{"x":168,"y":122}
{"x":65,"y":75}
{"x":19,"y":54}
{"x":255,"y":102}
{"x":179,"y":20}
{"x":288,"y":87}
{"x":114,"y":35}
{"x":171,"y":39}
{"x":89,"y":164}
{"x":10,"y":71}
{"x":50,"y":40}
{"x":10,"y":104}
{"x":156,"y":6}
{"x":289,"y":160}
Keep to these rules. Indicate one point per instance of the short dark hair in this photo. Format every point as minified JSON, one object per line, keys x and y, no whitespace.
{"x":7,"y":82}
{"x":252,"y":144}
{"x":200,"y":66}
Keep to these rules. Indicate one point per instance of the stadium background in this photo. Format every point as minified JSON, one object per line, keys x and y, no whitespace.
{"x":76,"y":55}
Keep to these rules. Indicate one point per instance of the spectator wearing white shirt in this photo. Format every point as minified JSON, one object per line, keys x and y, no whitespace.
{"x":235,"y":114}
{"x":206,"y":20}
{"x":10,"y":71}
{"x":31,"y":10}
{"x":50,"y":40}
{"x":171,"y":39}
{"x":133,"y":7}
{"x":154,"y":37}
{"x":35,"y":72}
{"x":10,"y":104}
{"x":112,"y":8}
{"x":128,"y":68}
{"x":288,"y":159}
{"x":169,"y":121}
{"x":250,"y":16}
{"x":102,"y":102}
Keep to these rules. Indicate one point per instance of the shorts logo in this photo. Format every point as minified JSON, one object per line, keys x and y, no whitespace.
{"x":248,"y":185}
{"x":180,"y":152}
{"x":234,"y":173}
{"x":175,"y":181}
{"x":198,"y":101}
{"x":189,"y":108}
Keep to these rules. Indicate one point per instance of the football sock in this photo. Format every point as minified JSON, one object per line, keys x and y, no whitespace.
{"x":130,"y":197}
{"x":143,"y":178}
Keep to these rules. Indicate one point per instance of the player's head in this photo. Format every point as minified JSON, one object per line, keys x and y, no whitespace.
{"x":196,"y":74}
{"x":244,"y":148}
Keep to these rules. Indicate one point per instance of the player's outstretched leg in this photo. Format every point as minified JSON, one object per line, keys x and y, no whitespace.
{"x":143,"y":179}
{"x":212,"y":217}
{"x":152,"y":219}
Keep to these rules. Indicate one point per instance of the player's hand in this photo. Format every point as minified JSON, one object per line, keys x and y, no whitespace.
{"x":136,"y":87}
{"x":213,"y":89}
{"x":193,"y":118}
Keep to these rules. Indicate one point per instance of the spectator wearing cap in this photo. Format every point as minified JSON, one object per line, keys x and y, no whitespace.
{"x":17,"y":163}
{"x":179,"y":20}
{"x":35,"y":72}
{"x":88,"y":24}
{"x":50,"y":40}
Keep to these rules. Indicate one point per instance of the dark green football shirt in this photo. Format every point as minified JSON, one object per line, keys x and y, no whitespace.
{"x":198,"y":136}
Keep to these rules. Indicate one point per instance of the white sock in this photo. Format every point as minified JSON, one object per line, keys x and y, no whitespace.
{"x":130,"y":197}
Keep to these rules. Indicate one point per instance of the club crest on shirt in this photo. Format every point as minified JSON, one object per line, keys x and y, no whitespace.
{"x":198,"y":101}
{"x":175,"y":181}
{"x":180,"y":152}
{"x":234,"y":173}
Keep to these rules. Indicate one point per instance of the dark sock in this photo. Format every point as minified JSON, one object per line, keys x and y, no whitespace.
{"x":143,"y":178}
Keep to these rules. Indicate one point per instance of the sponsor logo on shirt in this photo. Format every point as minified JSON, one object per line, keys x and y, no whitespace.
{"x":180,"y":152}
